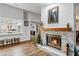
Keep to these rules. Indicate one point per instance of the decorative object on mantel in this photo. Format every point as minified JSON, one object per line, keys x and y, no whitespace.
{"x":53,"y":15}
{"x":68,"y":26}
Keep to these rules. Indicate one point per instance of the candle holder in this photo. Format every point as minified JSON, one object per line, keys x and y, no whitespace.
{"x":68,"y":26}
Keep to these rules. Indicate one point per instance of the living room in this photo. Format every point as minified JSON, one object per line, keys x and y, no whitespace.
{"x":37,"y":29}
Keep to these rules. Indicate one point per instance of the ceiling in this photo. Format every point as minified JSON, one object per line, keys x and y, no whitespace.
{"x":36,"y":7}
{"x":32,"y":7}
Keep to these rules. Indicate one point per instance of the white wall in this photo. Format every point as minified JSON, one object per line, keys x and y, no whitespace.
{"x":34,"y":17}
{"x":30,"y":17}
{"x":8,"y":11}
{"x":12,"y":12}
{"x":66,"y":15}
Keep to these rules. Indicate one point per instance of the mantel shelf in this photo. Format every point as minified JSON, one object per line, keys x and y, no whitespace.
{"x":57,"y":29}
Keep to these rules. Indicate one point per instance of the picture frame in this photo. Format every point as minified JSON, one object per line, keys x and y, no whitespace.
{"x":53,"y":15}
{"x":26,"y":23}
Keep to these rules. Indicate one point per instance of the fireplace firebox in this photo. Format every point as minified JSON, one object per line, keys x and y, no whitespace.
{"x":53,"y":41}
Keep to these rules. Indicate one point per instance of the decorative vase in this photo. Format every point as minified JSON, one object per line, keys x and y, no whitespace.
{"x":68,"y":25}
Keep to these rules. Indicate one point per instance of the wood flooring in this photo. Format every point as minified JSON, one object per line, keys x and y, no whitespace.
{"x":22,"y":49}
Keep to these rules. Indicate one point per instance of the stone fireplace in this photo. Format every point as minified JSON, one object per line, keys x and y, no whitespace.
{"x":58,"y":40}
{"x":53,"y":41}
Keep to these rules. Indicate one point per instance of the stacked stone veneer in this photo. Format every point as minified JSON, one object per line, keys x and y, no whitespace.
{"x":66,"y":37}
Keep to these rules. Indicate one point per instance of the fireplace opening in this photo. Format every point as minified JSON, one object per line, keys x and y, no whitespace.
{"x":53,"y":41}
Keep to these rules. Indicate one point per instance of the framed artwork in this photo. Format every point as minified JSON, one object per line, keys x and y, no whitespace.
{"x":53,"y":15}
{"x":26,"y":23}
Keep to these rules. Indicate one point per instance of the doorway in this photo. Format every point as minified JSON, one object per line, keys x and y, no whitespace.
{"x":34,"y":31}
{"x":77,"y":27}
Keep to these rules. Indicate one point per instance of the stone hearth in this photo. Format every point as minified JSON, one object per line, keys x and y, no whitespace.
{"x":66,"y":38}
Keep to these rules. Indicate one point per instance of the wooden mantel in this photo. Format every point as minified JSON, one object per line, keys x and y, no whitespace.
{"x":57,"y":29}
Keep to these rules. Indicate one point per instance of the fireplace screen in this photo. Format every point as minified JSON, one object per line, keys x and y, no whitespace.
{"x":54,"y":41}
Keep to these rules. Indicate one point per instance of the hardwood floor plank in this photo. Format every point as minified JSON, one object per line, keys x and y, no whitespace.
{"x":22,"y":49}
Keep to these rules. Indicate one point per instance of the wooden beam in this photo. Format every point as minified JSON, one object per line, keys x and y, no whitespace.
{"x":56,"y":29}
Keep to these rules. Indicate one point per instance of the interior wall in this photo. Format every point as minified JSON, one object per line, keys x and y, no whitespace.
{"x":34,"y":17}
{"x":8,"y":11}
{"x":12,"y":12}
{"x":76,"y":8}
{"x":66,"y":15}
{"x":34,"y":20}
{"x":77,"y":26}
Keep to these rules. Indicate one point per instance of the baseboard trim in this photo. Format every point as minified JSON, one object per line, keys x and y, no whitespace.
{"x":26,"y":41}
